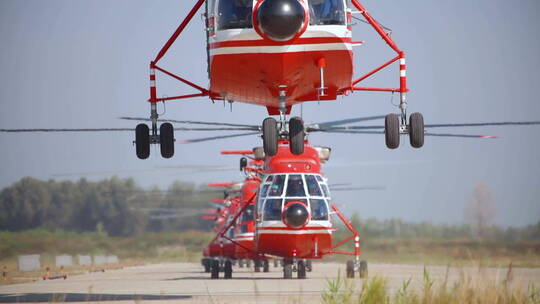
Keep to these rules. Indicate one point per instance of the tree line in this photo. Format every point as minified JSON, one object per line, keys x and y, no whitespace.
{"x":119,"y":207}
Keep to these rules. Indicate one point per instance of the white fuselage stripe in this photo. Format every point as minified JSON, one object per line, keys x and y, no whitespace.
{"x":313,"y":231}
{"x":296,"y":48}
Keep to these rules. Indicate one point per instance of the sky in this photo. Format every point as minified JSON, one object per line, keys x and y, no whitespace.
{"x":76,"y":64}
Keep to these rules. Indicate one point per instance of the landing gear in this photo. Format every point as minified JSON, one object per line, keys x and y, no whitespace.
{"x":207,"y":264}
{"x":266,"y":266}
{"x":301,"y":270}
{"x":270,"y":136}
{"x":227,"y":270}
{"x":214,"y":269}
{"x":142,"y":141}
{"x":258,"y":264}
{"x":143,"y":137}
{"x":416,"y":130}
{"x":353,"y":267}
{"x":241,"y":263}
{"x":296,"y":135}
{"x":391,"y":131}
{"x":276,"y":263}
{"x":287,"y":270}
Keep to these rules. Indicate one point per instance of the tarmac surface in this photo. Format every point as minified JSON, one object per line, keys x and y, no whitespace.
{"x":187,"y":283}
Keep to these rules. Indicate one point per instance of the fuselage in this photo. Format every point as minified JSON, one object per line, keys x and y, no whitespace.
{"x":247,"y":63}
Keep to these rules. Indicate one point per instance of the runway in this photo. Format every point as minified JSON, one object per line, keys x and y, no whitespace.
{"x":187,"y":283}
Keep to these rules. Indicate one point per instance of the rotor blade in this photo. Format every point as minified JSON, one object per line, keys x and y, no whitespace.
{"x":352,"y":132}
{"x":215,"y":129}
{"x":66,"y":130}
{"x":484,"y":124}
{"x":195,"y":140}
{"x":358,"y":188}
{"x":344,"y":121}
{"x":194,"y":122}
{"x":461,"y":135}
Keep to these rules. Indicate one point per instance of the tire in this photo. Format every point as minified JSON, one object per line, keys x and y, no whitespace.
{"x":215,"y":269}
{"x":228,"y":270}
{"x":287,"y":271}
{"x":166,"y":140}
{"x":257,"y":265}
{"x":350,"y":269}
{"x":416,"y":130}
{"x":241,"y":263}
{"x":309,"y":265}
{"x":296,"y":135}
{"x":301,"y":269}
{"x":266,"y":266}
{"x":243,"y":163}
{"x":363,"y":271}
{"x":142,"y":141}
{"x":270,"y":136}
{"x":391,"y":131}
{"x":207,"y":265}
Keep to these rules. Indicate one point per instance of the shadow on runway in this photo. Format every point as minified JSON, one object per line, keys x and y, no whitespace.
{"x":81,"y":297}
{"x":221,"y":278}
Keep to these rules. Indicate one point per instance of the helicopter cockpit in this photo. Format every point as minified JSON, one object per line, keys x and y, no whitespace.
{"x":326,"y":12}
{"x":292,"y":197}
{"x":234,"y":14}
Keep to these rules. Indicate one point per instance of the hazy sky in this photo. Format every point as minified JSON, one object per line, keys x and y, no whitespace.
{"x":72,"y":63}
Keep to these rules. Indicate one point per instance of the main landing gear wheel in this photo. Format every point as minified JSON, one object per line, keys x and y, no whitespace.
{"x":301,"y":269}
{"x":350,"y":269}
{"x":266,"y":266}
{"x":296,"y":135}
{"x":391,"y":131}
{"x":287,"y":271}
{"x":215,"y":269}
{"x":270,"y":136}
{"x":416,"y":130}
{"x":166,"y":140}
{"x":207,"y":264}
{"x":142,"y":141}
{"x":363,"y":270}
{"x":257,"y":265}
{"x":228,"y":270}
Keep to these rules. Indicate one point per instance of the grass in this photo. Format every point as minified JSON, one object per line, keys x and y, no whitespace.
{"x":464,"y":290}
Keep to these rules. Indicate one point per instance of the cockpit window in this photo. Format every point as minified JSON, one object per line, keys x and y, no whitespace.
{"x":325,"y":190}
{"x":319,"y":210}
{"x":269,"y":178}
{"x":313,"y":186}
{"x":272,"y":210}
{"x":264,"y":190}
{"x":277,"y":187}
{"x":235,"y":14}
{"x":248,"y":214}
{"x":295,"y":185}
{"x":326,"y":12}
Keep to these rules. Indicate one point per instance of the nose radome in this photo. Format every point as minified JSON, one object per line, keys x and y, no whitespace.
{"x":296,"y":215}
{"x":281,"y":20}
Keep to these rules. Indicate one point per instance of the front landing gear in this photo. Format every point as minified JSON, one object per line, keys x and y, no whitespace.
{"x":355,"y":266}
{"x":165,"y":139}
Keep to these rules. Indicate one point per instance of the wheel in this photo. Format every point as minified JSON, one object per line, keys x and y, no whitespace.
{"x":266,"y":266}
{"x":416,"y":130}
{"x":363,"y":271}
{"x":309,"y":265}
{"x":276,"y":263}
{"x":215,"y":269}
{"x":166,"y":140}
{"x":228,"y":270}
{"x":248,"y":263}
{"x":207,"y":264}
{"x":391,"y":131}
{"x":142,"y":141}
{"x":287,"y":271}
{"x":257,"y":264}
{"x":270,"y":136}
{"x":350,"y":269}
{"x":241,"y":263}
{"x":301,"y":269}
{"x":243,"y":163}
{"x":296,"y":135}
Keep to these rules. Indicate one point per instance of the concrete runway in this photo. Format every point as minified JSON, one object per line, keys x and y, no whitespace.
{"x":186,"y":283}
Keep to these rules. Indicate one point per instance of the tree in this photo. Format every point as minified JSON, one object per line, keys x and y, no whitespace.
{"x":480,"y":210}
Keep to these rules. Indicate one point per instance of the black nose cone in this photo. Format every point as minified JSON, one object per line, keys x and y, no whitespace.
{"x":296,"y":215}
{"x":281,"y":20}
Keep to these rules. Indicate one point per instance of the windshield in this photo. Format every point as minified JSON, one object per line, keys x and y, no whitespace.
{"x":319,"y":210}
{"x":313,"y":186}
{"x":326,"y":12}
{"x":272,"y":210}
{"x":234,"y":14}
{"x":277,"y":187}
{"x":248,"y":214}
{"x":295,"y":185}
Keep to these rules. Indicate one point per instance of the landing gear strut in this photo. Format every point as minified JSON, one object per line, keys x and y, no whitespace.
{"x":273,"y":131}
{"x":143,"y":137}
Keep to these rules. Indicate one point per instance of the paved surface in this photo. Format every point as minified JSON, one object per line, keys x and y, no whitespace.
{"x":186,"y":283}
